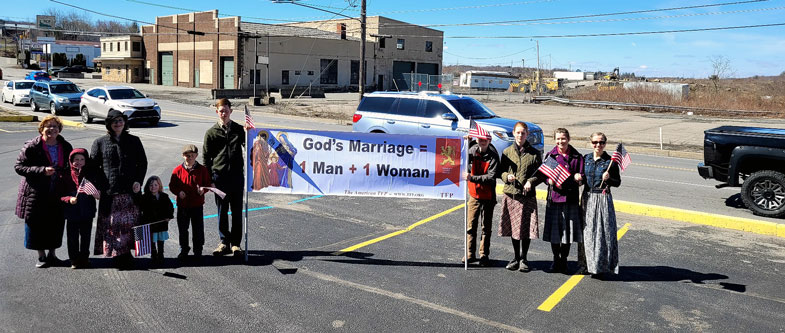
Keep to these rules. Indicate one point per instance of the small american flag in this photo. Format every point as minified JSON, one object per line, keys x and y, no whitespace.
{"x":621,"y":156}
{"x":142,"y":239}
{"x":87,"y":187}
{"x":248,"y":119}
{"x":476,"y":131}
{"x":553,"y":170}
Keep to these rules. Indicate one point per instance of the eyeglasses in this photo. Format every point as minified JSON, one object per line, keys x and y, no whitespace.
{"x":601,"y":143}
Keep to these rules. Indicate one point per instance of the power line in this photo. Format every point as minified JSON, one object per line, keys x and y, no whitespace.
{"x":647,"y":18}
{"x":587,"y":15}
{"x":621,"y":33}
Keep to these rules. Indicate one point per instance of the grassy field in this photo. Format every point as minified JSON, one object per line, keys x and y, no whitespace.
{"x":754,"y":94}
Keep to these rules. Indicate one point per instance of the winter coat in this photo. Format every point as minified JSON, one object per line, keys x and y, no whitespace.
{"x":37,"y":195}
{"x":188,"y":181}
{"x":121,"y":162}
{"x":85,"y":207}
{"x":223,"y":156}
{"x":521,"y":164}
{"x":569,"y":189}
{"x":154,"y":210}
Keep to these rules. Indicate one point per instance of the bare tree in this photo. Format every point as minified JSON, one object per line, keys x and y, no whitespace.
{"x":721,"y":69}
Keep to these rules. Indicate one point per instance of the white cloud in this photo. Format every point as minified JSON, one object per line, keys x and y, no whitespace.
{"x":643,"y":66}
{"x":633,"y":44}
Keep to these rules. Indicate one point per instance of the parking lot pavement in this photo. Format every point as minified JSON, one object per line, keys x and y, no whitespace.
{"x":673,"y":276}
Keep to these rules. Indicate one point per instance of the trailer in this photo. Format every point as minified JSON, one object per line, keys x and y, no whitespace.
{"x":487,"y":80}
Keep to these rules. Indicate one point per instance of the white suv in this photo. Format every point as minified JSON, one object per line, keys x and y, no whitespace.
{"x":97,"y":102}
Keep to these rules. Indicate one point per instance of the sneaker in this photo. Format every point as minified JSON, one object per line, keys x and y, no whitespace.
{"x":524,"y":266}
{"x":222,"y":250}
{"x":513,"y":264}
{"x":484,"y":261}
{"x":237,"y":251}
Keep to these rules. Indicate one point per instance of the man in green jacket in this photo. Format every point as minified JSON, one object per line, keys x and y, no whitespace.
{"x":223,"y":157}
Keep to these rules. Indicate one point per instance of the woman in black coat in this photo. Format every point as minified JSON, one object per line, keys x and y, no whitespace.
{"x":122,"y":161}
{"x":42,"y":162}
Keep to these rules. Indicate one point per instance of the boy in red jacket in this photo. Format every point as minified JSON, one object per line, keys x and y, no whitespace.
{"x":187,"y":182}
{"x":481,"y":181}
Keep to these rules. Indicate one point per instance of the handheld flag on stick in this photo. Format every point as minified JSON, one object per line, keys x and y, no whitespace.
{"x":87,"y":187}
{"x":476,"y":131}
{"x":621,"y":156}
{"x":142,"y":240}
{"x":553,"y":170}
{"x":248,"y":119}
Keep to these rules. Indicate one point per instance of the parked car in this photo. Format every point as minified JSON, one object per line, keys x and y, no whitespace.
{"x":757,"y":156}
{"x":97,"y":102}
{"x":17,"y":92}
{"x":435,"y":114}
{"x":38,"y":75}
{"x":57,"y":96}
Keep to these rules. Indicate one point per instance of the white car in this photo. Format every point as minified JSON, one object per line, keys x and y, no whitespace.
{"x":97,"y":102}
{"x":17,"y":92}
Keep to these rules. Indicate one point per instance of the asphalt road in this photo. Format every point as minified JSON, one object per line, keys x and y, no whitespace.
{"x":674,"y":276}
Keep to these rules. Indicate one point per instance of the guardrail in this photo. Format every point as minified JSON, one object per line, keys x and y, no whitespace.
{"x":653,"y":107}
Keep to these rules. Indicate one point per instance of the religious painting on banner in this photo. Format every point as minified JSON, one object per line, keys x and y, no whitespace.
{"x":355,"y":164}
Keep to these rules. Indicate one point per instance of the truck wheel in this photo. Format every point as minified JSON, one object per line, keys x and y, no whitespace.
{"x":763,"y":192}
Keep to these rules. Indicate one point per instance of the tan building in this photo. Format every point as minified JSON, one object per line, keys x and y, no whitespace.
{"x":122,"y":59}
{"x":202,"y":50}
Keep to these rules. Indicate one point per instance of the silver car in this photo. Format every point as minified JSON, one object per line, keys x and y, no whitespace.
{"x":97,"y":102}
{"x":435,"y":114}
{"x":17,"y":92}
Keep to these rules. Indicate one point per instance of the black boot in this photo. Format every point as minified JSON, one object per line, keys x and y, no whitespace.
{"x":564,"y":252}
{"x":160,"y":251}
{"x":556,"y":265}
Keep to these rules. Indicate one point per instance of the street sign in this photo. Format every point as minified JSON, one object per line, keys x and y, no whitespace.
{"x":44,"y":22}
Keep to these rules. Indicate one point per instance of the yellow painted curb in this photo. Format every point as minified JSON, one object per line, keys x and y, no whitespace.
{"x":689,"y":216}
{"x":71,"y":123}
{"x":18,"y":118}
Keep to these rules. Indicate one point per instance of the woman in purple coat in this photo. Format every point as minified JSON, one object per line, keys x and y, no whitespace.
{"x":42,"y":162}
{"x":562,"y":211}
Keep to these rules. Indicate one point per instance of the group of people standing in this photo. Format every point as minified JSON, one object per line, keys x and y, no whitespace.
{"x":588,"y":219}
{"x":55,"y":192}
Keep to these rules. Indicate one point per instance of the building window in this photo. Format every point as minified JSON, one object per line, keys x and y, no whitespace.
{"x":310,"y":73}
{"x":284,"y":77}
{"x":296,"y":72}
{"x":111,"y":47}
{"x":126,"y":46}
{"x":329,"y":71}
{"x":136,"y":46}
{"x":428,"y":46}
{"x":400,"y":44}
{"x":381,"y":42}
{"x":118,"y":46}
{"x":136,"y":71}
{"x":104,"y":45}
{"x":354,"y":76}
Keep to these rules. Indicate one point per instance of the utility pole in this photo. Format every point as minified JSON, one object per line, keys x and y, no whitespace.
{"x":539,"y":78}
{"x":267,"y":72}
{"x":362,"y":50}
{"x":522,"y":63}
{"x":255,"y":63}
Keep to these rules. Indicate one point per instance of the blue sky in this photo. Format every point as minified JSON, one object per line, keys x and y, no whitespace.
{"x":754,"y":51}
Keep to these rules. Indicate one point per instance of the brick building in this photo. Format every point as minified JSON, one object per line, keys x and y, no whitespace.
{"x":202,"y":50}
{"x":122,"y":59}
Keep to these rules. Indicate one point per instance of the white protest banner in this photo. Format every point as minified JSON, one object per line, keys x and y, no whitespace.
{"x":355,"y":164}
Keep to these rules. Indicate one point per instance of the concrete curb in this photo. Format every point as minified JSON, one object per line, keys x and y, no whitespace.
{"x":29,"y":118}
{"x":689,"y":216}
{"x":71,"y":123}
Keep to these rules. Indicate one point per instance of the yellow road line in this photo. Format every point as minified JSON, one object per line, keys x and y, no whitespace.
{"x":573,"y":281}
{"x":396,"y":233}
{"x":690,"y":216}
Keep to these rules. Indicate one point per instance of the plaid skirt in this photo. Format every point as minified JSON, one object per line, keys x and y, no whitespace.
{"x":117,"y":215}
{"x":562,"y":223}
{"x":519,"y":217}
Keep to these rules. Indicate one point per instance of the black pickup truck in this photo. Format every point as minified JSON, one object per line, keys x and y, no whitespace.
{"x":750,"y":157}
